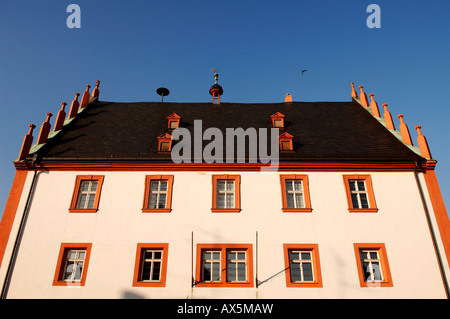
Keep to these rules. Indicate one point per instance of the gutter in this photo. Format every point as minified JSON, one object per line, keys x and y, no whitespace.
{"x":19,"y":235}
{"x":433,"y":233}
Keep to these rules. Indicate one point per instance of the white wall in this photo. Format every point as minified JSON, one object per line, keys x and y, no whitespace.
{"x":119,"y":225}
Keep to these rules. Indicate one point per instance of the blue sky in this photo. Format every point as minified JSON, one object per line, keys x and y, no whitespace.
{"x":260,"y":47}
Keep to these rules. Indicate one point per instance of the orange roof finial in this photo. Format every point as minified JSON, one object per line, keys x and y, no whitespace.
{"x":95,"y":91}
{"x":354,"y":94}
{"x":74,"y":107}
{"x":85,"y":98}
{"x":374,"y":106}
{"x":45,"y":129}
{"x":27,"y":141}
{"x":404,"y":131}
{"x":60,"y":117}
{"x":363,"y":97}
{"x":423,"y":144}
{"x":388,"y":118}
{"x":288,"y":98}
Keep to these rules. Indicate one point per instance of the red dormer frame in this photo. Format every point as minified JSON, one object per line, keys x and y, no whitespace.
{"x":173,"y":121}
{"x":164,"y":143}
{"x":286,"y":142}
{"x":277,"y":120}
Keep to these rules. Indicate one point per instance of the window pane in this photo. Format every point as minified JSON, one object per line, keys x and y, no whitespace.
{"x":364,"y":202}
{"x":242,"y":272}
{"x":84,"y":186}
{"x":154,"y":185}
{"x":78,"y":270}
{"x":81,"y":255}
{"x":230,"y":185}
{"x":285,"y":146}
{"x":307,"y":272}
{"x":157,"y":254}
{"x":298,"y":186}
{"x":306,"y":256}
{"x":299,"y":201}
{"x":216,"y":272}
{"x":220,"y":200}
{"x":90,"y":203}
{"x":294,"y":255}
{"x":355,"y":202}
{"x":376,"y":271}
{"x":352,"y":185}
{"x":241,"y":256}
{"x":366,"y":270}
{"x":290,"y":200}
{"x":162,"y":201}
{"x":230,"y":201}
{"x":295,"y":272}
{"x":216,"y":255}
{"x":207,"y":255}
{"x":361,"y":186}
{"x":231,"y":268}
{"x":373,"y":255}
{"x":94,"y":186}
{"x":163,"y":186}
{"x":207,"y":272}
{"x":146,"y":270}
{"x":156,"y":270}
{"x":289,"y":186}
{"x":153,"y":198}
{"x":221,"y":185}
{"x":81,"y":201}
{"x":68,"y":270}
{"x":277,"y":123}
{"x":165,"y":146}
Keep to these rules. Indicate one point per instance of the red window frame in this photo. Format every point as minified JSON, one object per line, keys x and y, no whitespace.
{"x":59,"y":272}
{"x":381,"y":248}
{"x":223,"y":248}
{"x":79,"y":179}
{"x":164,"y":138}
{"x":148,"y":180}
{"x":289,"y":139}
{"x":369,"y":190}
{"x":237,"y":193}
{"x":277,"y":117}
{"x":314,"y":249}
{"x":137,"y":282}
{"x":306,"y":196}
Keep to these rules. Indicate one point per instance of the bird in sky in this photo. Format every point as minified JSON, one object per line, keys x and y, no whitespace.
{"x":303,"y":71}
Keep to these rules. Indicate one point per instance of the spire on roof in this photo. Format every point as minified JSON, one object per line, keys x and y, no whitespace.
{"x":59,"y":122}
{"x":388,"y":118}
{"x":74,"y":106}
{"x":404,"y":131}
{"x":374,"y":106}
{"x":95,"y":91}
{"x":216,"y":90}
{"x":26,"y":145}
{"x":363,"y":97}
{"x":45,"y":129}
{"x":85,"y":98}
{"x":423,"y":144}
{"x":354,"y":94}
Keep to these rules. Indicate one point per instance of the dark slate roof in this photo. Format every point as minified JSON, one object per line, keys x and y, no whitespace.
{"x":323,"y":131}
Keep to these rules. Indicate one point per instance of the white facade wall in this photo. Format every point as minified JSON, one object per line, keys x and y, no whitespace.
{"x":119,"y":225}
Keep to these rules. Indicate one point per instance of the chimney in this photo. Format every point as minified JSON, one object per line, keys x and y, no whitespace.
{"x":363,"y":97}
{"x":85,"y":98}
{"x":374,"y":106}
{"x":45,"y":129}
{"x":60,"y":117}
{"x":404,"y":131}
{"x":26,"y":145}
{"x":96,"y":92}
{"x":288,"y":98}
{"x":388,"y":118}
{"x":74,"y":107}
{"x":423,"y":144}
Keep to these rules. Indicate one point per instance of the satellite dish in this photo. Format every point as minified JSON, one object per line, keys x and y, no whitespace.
{"x":163,"y":92}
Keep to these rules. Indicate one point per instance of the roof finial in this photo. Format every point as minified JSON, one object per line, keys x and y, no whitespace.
{"x":423,"y":144}
{"x":95,"y":91}
{"x":363,"y":97}
{"x":85,"y":98}
{"x":27,"y":141}
{"x":354,"y":94}
{"x":45,"y":129}
{"x":388,"y":118}
{"x":374,"y":106}
{"x":74,"y":106}
{"x":59,"y":122}
{"x":404,"y":131}
{"x":216,"y":90}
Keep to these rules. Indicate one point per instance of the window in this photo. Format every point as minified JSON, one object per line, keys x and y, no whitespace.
{"x":373,"y":266}
{"x":164,"y":143}
{"x":173,"y":121}
{"x":72,"y":265}
{"x":286,"y":142}
{"x":151,"y":265}
{"x":302,"y":265}
{"x":224,"y":265}
{"x":295,"y":193}
{"x":360,"y":195}
{"x":226,"y":193}
{"x":86,"y":195}
{"x":158,"y":194}
{"x":277,"y":120}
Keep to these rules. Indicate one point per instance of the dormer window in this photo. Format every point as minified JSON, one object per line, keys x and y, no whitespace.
{"x":173,"y":121}
{"x":277,"y":120}
{"x":286,"y":142}
{"x":164,"y":143}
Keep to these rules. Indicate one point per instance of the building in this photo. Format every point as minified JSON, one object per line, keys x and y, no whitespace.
{"x":101,"y":208}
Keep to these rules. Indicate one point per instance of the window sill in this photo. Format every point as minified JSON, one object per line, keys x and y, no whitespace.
{"x":77,"y":210}
{"x":296,"y":210}
{"x":225,"y":210}
{"x":304,"y":285}
{"x":68,"y":283}
{"x":227,"y":285}
{"x":363,"y":210}
{"x":149,"y":284}
{"x":156,"y":210}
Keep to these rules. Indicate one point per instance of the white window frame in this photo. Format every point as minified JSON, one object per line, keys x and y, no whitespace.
{"x":301,"y":262}
{"x":211,"y":261}
{"x":293,"y":193}
{"x":358,"y":193}
{"x":158,"y":193}
{"x":89,"y":192}
{"x":152,"y":261}
{"x":76,"y":261}
{"x":227,"y":193}
{"x":371,"y":262}
{"x":234,"y":263}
